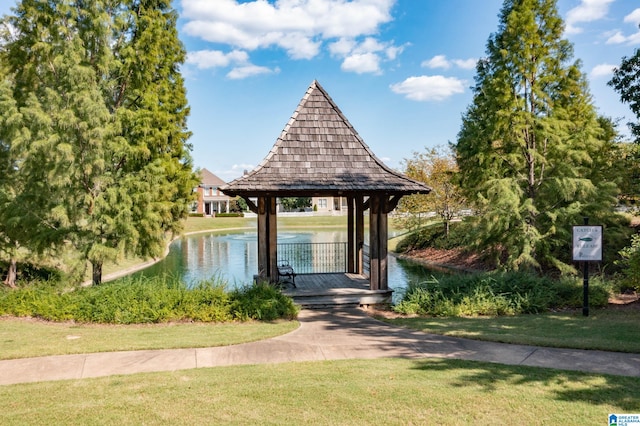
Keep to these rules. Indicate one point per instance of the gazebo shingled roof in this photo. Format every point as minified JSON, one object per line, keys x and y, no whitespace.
{"x":319,"y":152}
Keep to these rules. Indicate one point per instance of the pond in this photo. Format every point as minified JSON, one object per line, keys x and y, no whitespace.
{"x":233,"y":257}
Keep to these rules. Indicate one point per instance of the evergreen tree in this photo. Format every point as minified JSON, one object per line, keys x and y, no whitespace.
{"x":531,"y":149}
{"x":104,"y":158}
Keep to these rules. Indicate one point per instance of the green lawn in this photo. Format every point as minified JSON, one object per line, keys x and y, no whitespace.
{"x":608,"y":329}
{"x":22,"y":338}
{"x":349,"y":392}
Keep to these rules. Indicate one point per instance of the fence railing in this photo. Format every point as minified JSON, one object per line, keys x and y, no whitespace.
{"x":314,"y":258}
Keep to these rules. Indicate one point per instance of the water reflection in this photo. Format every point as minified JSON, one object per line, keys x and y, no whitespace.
{"x":233,"y":257}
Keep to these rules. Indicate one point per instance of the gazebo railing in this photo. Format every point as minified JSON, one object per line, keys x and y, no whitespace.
{"x":314,"y":258}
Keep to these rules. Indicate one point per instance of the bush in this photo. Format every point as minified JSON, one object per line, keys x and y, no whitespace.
{"x":262,"y":301}
{"x":497,"y":293}
{"x":147,"y":300}
{"x":237,"y":214}
{"x":631,"y":264}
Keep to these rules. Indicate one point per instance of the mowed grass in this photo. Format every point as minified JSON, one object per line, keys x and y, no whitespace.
{"x":23,"y":338}
{"x":348,"y":392}
{"x":608,"y":329}
{"x":204,"y":224}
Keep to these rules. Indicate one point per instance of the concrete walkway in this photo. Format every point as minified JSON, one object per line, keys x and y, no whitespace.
{"x":330,"y":334}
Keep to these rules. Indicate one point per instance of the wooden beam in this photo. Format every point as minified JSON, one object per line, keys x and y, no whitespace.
{"x":250,"y":204}
{"x":392,"y":203}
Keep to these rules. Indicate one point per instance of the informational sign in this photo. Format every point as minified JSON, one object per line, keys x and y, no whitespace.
{"x":587,"y":243}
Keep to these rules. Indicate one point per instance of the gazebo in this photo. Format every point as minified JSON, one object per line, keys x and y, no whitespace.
{"x":319,"y":153}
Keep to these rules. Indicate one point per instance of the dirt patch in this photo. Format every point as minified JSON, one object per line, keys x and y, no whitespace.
{"x":456,"y":259}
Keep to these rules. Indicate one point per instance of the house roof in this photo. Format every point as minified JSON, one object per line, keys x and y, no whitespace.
{"x":320,"y":153}
{"x":209,"y":179}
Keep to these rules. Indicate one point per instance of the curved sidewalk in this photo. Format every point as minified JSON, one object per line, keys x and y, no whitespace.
{"x":330,"y":334}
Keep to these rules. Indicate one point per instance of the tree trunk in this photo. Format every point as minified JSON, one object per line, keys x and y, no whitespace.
{"x":12,"y":274}
{"x":97,"y":272}
{"x":446,"y":228}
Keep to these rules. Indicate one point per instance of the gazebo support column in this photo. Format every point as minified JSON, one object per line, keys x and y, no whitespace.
{"x":267,"y":238}
{"x":378,"y":235}
{"x":359,"y":242}
{"x":351,"y":236}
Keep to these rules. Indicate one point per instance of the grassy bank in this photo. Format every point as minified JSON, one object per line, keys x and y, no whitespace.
{"x":23,"y":338}
{"x":359,"y":392}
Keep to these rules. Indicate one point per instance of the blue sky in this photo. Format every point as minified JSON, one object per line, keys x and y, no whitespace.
{"x":400,"y":70}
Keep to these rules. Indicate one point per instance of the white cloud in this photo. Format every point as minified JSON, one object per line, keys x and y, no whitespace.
{"x":298,"y":26}
{"x":429,"y":88}
{"x":245,"y":71}
{"x":438,"y":61}
{"x":618,"y":37}
{"x":441,"y":61}
{"x":633,"y":17}
{"x":342,"y":47}
{"x":602,"y":70}
{"x":238,"y":59}
{"x":205,"y":59}
{"x":365,"y":56}
{"x":467,"y":64}
{"x":362,"y":63}
{"x":586,"y":11}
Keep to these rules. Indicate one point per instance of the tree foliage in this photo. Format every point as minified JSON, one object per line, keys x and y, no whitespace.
{"x":532,"y":152}
{"x":626,"y":81}
{"x":102,"y":154}
{"x":295,"y":203}
{"x":437,"y":168}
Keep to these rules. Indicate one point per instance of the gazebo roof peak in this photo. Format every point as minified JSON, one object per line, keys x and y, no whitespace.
{"x":319,"y":152}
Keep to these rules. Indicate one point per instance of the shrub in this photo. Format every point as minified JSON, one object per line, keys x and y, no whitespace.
{"x":147,"y":300}
{"x":631,"y":264}
{"x":262,"y":301}
{"x":497,"y":293}
{"x":237,"y":214}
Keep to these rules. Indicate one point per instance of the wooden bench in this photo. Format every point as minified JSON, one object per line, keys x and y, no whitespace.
{"x":286,"y":272}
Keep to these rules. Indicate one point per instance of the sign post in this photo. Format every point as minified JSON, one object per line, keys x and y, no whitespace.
{"x":587,"y":247}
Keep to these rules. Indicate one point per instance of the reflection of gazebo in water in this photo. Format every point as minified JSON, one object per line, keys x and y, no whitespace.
{"x":319,"y":153}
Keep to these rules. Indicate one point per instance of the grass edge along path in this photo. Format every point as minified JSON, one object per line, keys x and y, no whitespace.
{"x":606,"y":329}
{"x":381,"y":391}
{"x":25,"y":338}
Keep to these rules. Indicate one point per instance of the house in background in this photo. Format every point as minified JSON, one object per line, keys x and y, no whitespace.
{"x":329,"y":204}
{"x":210,"y":199}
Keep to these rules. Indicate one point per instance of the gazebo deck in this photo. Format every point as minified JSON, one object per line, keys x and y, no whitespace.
{"x":320,"y":290}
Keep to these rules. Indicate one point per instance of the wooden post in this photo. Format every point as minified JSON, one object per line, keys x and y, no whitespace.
{"x":351,"y":242}
{"x":273,"y":239}
{"x":359,"y":234}
{"x":374,"y":242}
{"x":383,"y":232}
{"x":263,"y":240}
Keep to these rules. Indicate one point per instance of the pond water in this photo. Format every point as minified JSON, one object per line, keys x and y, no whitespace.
{"x":233,"y":257}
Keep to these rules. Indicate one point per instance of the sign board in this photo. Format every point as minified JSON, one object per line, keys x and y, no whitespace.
{"x":587,"y":243}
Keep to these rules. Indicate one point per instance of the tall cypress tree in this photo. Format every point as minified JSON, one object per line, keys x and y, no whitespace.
{"x":105,"y":161}
{"x":530,"y":149}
